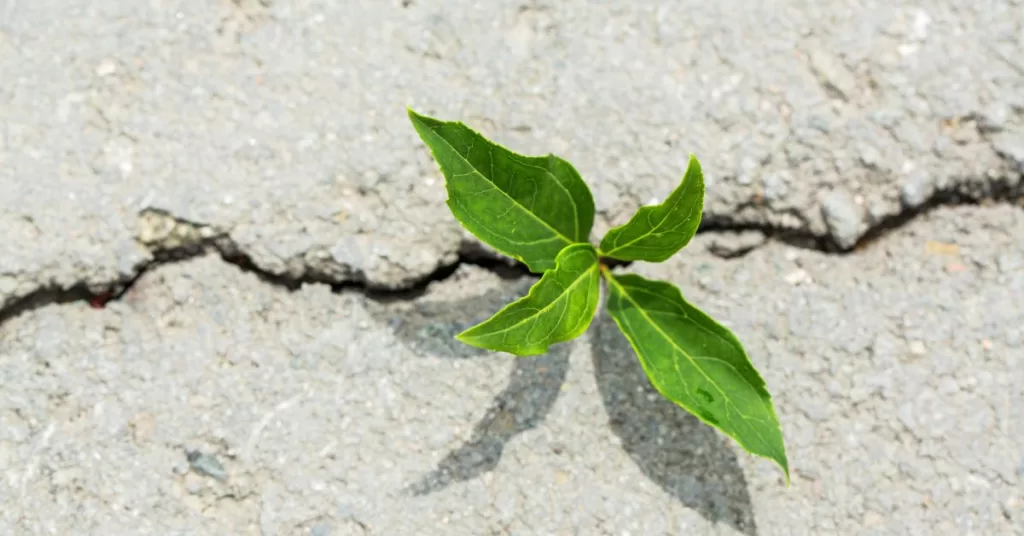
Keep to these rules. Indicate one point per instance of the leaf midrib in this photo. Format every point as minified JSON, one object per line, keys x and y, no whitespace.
{"x":547,"y":307}
{"x":664,"y":335}
{"x":653,"y":227}
{"x":668,"y":338}
{"x":510,"y":198}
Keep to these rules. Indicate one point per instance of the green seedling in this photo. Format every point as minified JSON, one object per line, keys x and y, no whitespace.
{"x":538,"y":210}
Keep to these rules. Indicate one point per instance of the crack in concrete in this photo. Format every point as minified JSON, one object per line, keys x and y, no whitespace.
{"x":171,"y":239}
{"x":1001,"y":194}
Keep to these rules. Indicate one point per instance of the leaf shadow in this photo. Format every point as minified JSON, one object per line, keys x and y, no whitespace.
{"x":428,"y":328}
{"x":686,"y":458}
{"x":532,"y":390}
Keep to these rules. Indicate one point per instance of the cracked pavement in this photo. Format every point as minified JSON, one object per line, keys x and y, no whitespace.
{"x":275,"y":281}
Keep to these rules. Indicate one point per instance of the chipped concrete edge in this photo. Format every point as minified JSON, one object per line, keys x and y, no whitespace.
{"x":167,"y":238}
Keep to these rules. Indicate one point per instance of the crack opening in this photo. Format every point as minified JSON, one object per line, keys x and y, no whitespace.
{"x":172,"y":240}
{"x":998,"y":194}
{"x":1005,"y":195}
{"x":116,"y":290}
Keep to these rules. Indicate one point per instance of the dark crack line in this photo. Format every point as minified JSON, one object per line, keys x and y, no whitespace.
{"x":115,"y":290}
{"x":803,"y":239}
{"x":939,"y":200}
{"x":470,"y":254}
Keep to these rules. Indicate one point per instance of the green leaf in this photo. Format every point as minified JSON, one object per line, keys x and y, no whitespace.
{"x":558,"y":308}
{"x":696,"y":363}
{"x":527,"y":207}
{"x":656,"y":233}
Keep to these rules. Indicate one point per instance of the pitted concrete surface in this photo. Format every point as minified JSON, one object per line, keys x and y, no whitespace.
{"x":212,"y":399}
{"x":207,"y":401}
{"x":282,"y":124}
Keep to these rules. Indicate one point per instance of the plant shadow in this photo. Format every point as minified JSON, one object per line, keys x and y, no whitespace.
{"x":686,"y":458}
{"x":534,"y":384}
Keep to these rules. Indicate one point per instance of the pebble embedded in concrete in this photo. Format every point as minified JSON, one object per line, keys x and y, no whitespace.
{"x":844,"y":218}
{"x":917,"y":189}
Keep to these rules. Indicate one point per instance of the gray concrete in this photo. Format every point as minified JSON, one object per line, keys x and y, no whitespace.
{"x":212,"y":400}
{"x":896,"y":374}
{"x":282,"y":124}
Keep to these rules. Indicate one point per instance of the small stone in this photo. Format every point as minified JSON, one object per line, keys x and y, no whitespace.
{"x":154,"y":226}
{"x":845,"y":219}
{"x":917,"y":348}
{"x":206,"y":464}
{"x":941,"y":248}
{"x":798,"y":276}
{"x":106,"y":67}
{"x":917,"y":189}
{"x":878,"y":210}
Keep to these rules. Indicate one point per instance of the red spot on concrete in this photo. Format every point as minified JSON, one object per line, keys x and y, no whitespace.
{"x":101,"y":300}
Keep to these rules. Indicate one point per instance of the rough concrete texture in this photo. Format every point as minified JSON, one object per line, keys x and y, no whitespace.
{"x":208,"y":401}
{"x":282,"y":124}
{"x":273,"y":394}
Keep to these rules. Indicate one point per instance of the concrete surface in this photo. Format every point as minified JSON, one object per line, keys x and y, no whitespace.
{"x":310,"y":385}
{"x":896,"y":374}
{"x":282,"y":124}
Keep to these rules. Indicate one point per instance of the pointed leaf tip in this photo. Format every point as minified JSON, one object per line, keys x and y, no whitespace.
{"x":527,"y":207}
{"x":558,"y":308}
{"x":696,"y":363}
{"x":657,"y":232}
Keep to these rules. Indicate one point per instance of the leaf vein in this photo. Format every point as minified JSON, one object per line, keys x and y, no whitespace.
{"x":506,"y":194}
{"x":672,"y":342}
